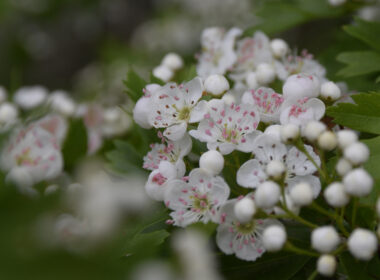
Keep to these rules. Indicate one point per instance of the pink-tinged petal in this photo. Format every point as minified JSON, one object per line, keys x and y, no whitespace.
{"x":251,"y":174}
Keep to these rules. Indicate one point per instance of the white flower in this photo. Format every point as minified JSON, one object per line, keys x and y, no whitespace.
{"x":163,"y":73}
{"x":279,"y":47}
{"x":216,"y":84}
{"x":362,"y":244}
{"x":174,"y":106}
{"x":274,"y":238}
{"x":61,"y":103}
{"x":302,"y":111}
{"x":242,"y":239}
{"x":265,"y":73}
{"x":266,"y":101}
{"x":267,"y":195}
{"x":245,"y":209}
{"x":55,"y":125}
{"x":173,"y":61}
{"x":116,"y":122}
{"x":228,"y":127}
{"x":357,"y":153}
{"x":330,"y":91}
{"x":251,"y":81}
{"x":327,"y":140}
{"x":212,"y":161}
{"x":170,"y":151}
{"x":326,"y":265}
{"x":197,"y":200}
{"x":30,"y":97}
{"x":346,"y":138}
{"x":143,"y":106}
{"x":302,"y":194}
{"x":8,"y":114}
{"x":300,"y":86}
{"x":335,"y":195}
{"x":218,"y":53}
{"x":358,"y":182}
{"x":275,"y":169}
{"x":313,"y":129}
{"x":325,"y":239}
{"x":298,"y":168}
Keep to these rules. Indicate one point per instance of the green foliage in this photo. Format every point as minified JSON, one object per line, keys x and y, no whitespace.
{"x":366,"y":31}
{"x":134,"y":85}
{"x":363,"y":116}
{"x":75,"y":145}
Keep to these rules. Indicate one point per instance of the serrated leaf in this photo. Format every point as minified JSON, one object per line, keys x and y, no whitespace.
{"x":125,"y":158}
{"x":134,"y":85}
{"x":138,"y":244}
{"x":363,"y":116}
{"x":75,"y":145}
{"x":359,"y":63}
{"x":366,"y":31}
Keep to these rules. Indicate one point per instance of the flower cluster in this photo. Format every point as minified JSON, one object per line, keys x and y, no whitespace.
{"x":236,"y":108}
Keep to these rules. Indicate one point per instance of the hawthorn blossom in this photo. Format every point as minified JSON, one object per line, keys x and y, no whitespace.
{"x":170,"y":151}
{"x":267,"y":149}
{"x":196,"y":200}
{"x":294,"y":64}
{"x":302,"y":111}
{"x":218,"y":53}
{"x":228,"y":127}
{"x":242,"y":239}
{"x":30,"y":97}
{"x":174,"y":106}
{"x":267,"y":102}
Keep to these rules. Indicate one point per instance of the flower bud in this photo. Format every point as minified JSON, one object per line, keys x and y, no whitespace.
{"x":216,"y":84}
{"x":301,"y":194}
{"x":326,"y":265}
{"x":274,"y":130}
{"x":141,"y":112}
{"x":346,"y":138}
{"x":265,"y":74}
{"x":327,"y":141}
{"x":313,"y":129}
{"x":244,"y":209}
{"x":325,"y":239}
{"x":330,"y":91}
{"x":335,"y":195}
{"x":343,"y":167}
{"x":251,"y":80}
{"x":8,"y":113}
{"x":274,"y":238}
{"x":173,"y":61}
{"x":300,"y":86}
{"x":229,"y":98}
{"x":357,"y":153}
{"x":163,"y":73}
{"x":212,"y":161}
{"x":289,"y":133}
{"x":362,"y":244}
{"x":30,"y":97}
{"x":358,"y":182}
{"x":267,"y":195}
{"x":275,"y":169}
{"x":279,"y":47}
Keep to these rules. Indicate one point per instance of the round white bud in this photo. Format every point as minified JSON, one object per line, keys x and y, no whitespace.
{"x":274,"y":238}
{"x":335,"y":195}
{"x":325,"y":239}
{"x":8,"y":113}
{"x":163,"y":73}
{"x":326,"y":265}
{"x":330,"y":91}
{"x":229,"y":98}
{"x":357,"y":153}
{"x":30,"y":97}
{"x":279,"y":47}
{"x":358,"y":182}
{"x":346,"y":138}
{"x":274,"y":130}
{"x":378,"y":207}
{"x":313,"y":129}
{"x":275,"y":169}
{"x":216,"y":84}
{"x":265,"y":73}
{"x":173,"y":61}
{"x":362,"y":244}
{"x":251,"y":80}
{"x":343,"y":167}
{"x":327,"y":140}
{"x":301,"y":85}
{"x":141,"y":112}
{"x":212,"y":161}
{"x":62,"y":103}
{"x":289,"y":133}
{"x":244,"y":209}
{"x":267,"y":194}
{"x":302,"y":194}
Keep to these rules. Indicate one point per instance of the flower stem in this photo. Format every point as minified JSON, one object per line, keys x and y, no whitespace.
{"x":321,"y":210}
{"x":292,"y":248}
{"x":298,"y":218}
{"x":313,"y":275}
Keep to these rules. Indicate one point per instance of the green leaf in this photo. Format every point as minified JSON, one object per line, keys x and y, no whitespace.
{"x":138,"y":244}
{"x":134,"y":85}
{"x":377,"y":80}
{"x":366,"y":31}
{"x":373,"y":167}
{"x":359,"y":63}
{"x":75,"y":145}
{"x":363,"y":116}
{"x":354,"y":269}
{"x":125,"y":158}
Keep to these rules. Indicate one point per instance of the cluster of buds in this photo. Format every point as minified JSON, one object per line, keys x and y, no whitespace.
{"x":232,"y":108}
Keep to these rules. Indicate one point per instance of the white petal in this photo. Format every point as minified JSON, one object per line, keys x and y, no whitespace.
{"x":249,"y":145}
{"x":268,"y":148}
{"x":175,"y":132}
{"x":198,"y":112}
{"x":224,"y":238}
{"x":194,"y":90}
{"x":298,"y":163}
{"x":251,"y":174}
{"x":314,"y":182}
{"x":226,"y":148}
